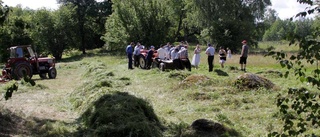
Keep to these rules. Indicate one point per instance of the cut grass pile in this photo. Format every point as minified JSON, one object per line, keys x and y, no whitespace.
{"x":105,"y":111}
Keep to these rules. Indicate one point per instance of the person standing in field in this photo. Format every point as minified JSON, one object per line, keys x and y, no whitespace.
{"x":223,"y":56}
{"x":244,"y":55}
{"x":196,"y":57}
{"x":229,"y":54}
{"x":129,"y":52}
{"x":175,"y":58}
{"x":162,"y":55}
{"x":162,"y":52}
{"x":149,"y":59}
{"x":168,"y":49}
{"x":136,"y":54}
{"x":183,"y":57}
{"x":210,"y":52}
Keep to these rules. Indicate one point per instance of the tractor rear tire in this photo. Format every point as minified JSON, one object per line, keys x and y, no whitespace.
{"x":142,"y":62}
{"x":22,"y":69}
{"x":52,"y":73}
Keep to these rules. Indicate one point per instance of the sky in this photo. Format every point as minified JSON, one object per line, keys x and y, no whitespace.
{"x":33,"y":4}
{"x":285,"y":8}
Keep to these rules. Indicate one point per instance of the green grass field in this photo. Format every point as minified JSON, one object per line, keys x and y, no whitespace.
{"x":82,"y":80}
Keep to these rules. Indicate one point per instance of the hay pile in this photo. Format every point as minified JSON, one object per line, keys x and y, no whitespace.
{"x":106,"y":111}
{"x":208,"y":128}
{"x":194,"y":80}
{"x":252,"y":81}
{"x":120,"y":114}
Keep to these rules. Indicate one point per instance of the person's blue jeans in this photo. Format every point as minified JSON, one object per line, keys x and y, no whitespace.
{"x":129,"y":61}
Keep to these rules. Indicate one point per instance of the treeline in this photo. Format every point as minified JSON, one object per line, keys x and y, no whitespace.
{"x":89,"y":24}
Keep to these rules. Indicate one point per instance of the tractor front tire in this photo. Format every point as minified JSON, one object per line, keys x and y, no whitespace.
{"x":52,"y":73}
{"x":22,"y":69}
{"x":142,"y":61}
{"x":162,"y":66}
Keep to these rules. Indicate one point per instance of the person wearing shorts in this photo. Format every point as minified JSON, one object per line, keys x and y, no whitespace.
{"x":244,"y":55}
{"x":223,"y":56}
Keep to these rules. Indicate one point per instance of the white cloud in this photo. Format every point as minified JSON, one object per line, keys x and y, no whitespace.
{"x":288,"y":8}
{"x":33,"y":4}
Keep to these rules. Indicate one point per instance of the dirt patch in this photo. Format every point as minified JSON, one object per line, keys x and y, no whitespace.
{"x":46,"y":101}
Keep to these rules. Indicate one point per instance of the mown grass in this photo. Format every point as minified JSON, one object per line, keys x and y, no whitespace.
{"x":99,"y":84}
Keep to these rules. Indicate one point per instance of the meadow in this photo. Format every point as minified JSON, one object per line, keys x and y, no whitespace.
{"x":65,"y":106}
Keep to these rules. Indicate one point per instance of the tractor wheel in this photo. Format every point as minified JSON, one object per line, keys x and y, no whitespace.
{"x":162,"y":66}
{"x":22,"y":69}
{"x":52,"y":73}
{"x":43,"y":75}
{"x":142,"y":62}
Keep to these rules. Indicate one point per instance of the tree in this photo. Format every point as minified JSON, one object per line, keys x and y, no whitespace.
{"x":88,"y":12}
{"x":300,"y":108}
{"x":262,"y":26}
{"x":42,"y":31}
{"x":278,"y":30}
{"x":53,"y":31}
{"x":228,"y":22}
{"x":15,"y":30}
{"x":4,"y":10}
{"x":270,"y":17}
{"x":303,"y":27}
{"x":115,"y":33}
{"x":97,"y":17}
{"x":144,"y":21}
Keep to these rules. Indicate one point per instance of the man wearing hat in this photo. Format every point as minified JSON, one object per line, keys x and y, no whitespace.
{"x":244,"y":55}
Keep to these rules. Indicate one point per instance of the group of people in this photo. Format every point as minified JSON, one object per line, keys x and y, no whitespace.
{"x":223,"y":54}
{"x":179,"y":55}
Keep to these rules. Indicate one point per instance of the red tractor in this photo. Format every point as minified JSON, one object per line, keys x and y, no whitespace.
{"x":23,"y":61}
{"x":142,"y":57}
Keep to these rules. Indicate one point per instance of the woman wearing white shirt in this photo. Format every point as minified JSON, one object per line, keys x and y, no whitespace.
{"x":229,"y":53}
{"x":196,"y":57}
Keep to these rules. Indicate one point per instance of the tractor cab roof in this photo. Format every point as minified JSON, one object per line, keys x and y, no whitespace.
{"x":21,"y":51}
{"x":20,"y":46}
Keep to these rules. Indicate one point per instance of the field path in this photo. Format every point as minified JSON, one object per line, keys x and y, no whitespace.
{"x":48,"y":103}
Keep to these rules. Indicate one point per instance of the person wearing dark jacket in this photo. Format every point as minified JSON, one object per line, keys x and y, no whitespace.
{"x":149,"y":57}
{"x":129,"y":52}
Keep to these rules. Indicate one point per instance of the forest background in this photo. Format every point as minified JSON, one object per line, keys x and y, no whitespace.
{"x":112,"y":25}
